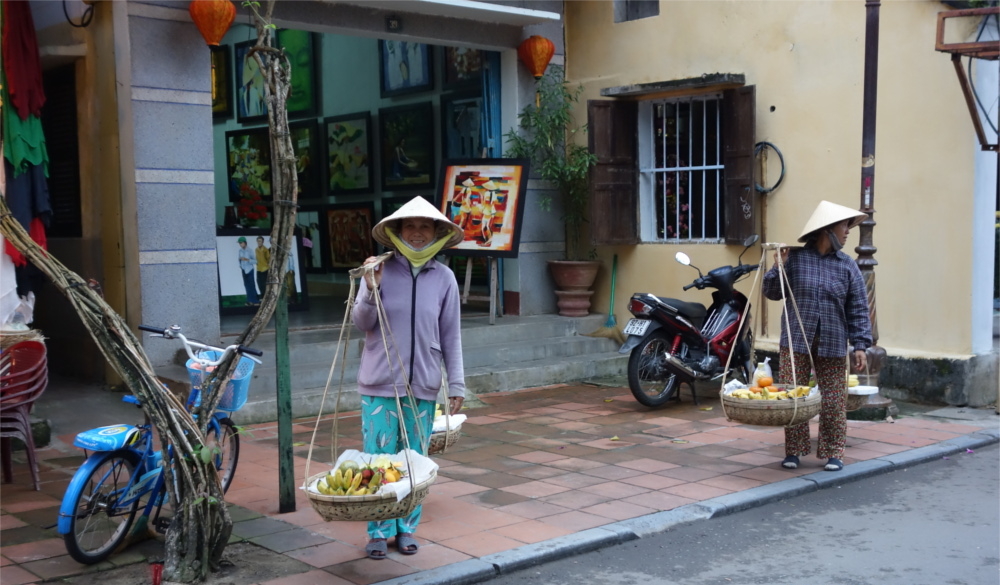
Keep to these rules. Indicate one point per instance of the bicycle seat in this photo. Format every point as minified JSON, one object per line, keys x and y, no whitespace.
{"x":108,"y":438}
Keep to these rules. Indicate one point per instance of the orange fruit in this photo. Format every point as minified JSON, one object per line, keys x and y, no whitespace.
{"x":755,"y":389}
{"x":765,"y":381}
{"x":772,"y":389}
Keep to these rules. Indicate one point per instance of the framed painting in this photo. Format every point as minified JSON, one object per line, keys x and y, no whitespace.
{"x":349,"y":234}
{"x":485,"y":197}
{"x":222,"y":93}
{"x":462,"y":67}
{"x":248,"y":173}
{"x":250,"y":105}
{"x":302,"y":50}
{"x":349,"y":153}
{"x":309,"y":221}
{"x":461,"y":114}
{"x":406,"y":139}
{"x":404,"y":67}
{"x":305,"y":145}
{"x":239,"y":283}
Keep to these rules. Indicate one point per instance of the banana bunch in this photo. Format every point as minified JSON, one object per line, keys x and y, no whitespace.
{"x":852,"y":380}
{"x":352,"y":479}
{"x":766,"y":394}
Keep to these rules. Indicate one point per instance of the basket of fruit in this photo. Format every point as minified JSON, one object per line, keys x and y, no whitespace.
{"x":363,"y":486}
{"x":446,"y":431}
{"x":857,"y":393}
{"x":771,"y":405}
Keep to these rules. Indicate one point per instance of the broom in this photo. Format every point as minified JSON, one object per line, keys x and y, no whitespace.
{"x":610,"y":328}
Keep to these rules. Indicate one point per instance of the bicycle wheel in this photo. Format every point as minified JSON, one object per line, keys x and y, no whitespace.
{"x":650,"y":382}
{"x":99,"y":524}
{"x":224,"y":440}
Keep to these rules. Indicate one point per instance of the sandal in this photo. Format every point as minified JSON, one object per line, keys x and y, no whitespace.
{"x":377,"y":549}
{"x":834,"y":464}
{"x":790,"y":462}
{"x":406,"y":544}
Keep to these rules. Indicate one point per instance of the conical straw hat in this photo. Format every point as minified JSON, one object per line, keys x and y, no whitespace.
{"x":418,"y":207}
{"x":827,"y":214}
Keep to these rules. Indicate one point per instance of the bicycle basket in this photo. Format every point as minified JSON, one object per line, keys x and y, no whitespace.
{"x":234,"y":396}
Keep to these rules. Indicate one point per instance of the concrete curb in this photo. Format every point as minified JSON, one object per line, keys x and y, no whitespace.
{"x":490,"y":566}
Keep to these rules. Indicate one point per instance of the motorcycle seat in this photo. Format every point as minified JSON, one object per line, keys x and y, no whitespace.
{"x":695,"y":312}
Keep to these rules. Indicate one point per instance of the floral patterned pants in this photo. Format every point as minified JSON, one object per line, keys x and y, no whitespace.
{"x":380,"y":425}
{"x":831,"y":376}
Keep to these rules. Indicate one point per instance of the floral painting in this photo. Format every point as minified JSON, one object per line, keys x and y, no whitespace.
{"x":462,"y":66}
{"x":248,"y":164}
{"x":349,"y":153}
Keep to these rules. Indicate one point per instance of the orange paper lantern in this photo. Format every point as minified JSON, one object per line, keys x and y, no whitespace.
{"x":213,"y":18}
{"x":536,"y":52}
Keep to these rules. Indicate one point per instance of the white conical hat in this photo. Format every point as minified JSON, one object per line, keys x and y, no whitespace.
{"x":827,"y":214}
{"x":418,"y":207}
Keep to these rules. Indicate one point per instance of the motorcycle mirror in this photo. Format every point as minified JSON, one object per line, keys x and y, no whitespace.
{"x":751,"y":240}
{"x":682,"y":258}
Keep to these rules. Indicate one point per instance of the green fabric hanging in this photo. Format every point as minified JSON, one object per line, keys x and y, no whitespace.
{"x":24,"y":140}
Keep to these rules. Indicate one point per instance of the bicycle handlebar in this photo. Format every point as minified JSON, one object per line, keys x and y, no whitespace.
{"x":174,"y":332}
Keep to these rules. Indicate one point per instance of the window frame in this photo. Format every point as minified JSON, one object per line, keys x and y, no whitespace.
{"x":613,"y":135}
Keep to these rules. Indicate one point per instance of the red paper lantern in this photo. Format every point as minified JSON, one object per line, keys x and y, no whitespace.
{"x":536,"y":52}
{"x":213,"y":18}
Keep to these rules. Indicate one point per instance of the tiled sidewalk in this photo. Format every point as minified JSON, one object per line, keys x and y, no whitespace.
{"x":531,"y":466}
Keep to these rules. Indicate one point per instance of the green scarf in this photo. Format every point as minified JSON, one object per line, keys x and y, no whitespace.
{"x":417,"y":259}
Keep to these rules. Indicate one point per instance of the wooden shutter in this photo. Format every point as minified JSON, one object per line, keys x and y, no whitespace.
{"x":614,"y":199}
{"x":740,"y":199}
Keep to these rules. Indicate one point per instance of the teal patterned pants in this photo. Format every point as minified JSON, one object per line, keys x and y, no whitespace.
{"x":380,"y":433}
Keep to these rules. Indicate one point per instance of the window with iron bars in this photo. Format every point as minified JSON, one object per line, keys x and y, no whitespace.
{"x":681,"y":171}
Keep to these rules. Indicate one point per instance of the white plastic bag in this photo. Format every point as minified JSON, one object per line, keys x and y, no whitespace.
{"x":763,"y":370}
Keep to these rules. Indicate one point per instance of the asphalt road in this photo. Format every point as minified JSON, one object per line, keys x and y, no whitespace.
{"x":932,"y":524}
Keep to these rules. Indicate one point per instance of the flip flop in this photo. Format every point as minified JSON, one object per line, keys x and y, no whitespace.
{"x":377,"y":545}
{"x":790,"y":462}
{"x":834,"y":464}
{"x":404,"y":542}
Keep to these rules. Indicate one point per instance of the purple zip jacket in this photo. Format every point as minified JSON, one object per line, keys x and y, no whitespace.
{"x":424,"y":313}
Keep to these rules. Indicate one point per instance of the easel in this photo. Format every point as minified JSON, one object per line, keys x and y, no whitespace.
{"x":493,"y":280}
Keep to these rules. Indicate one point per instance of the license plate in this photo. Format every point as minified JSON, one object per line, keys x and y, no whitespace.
{"x":637,"y":327}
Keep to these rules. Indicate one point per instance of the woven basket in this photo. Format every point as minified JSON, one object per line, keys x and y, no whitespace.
{"x":369,"y":508}
{"x":857,"y":397}
{"x":443,"y":440}
{"x":10,"y":338}
{"x":772,"y":413}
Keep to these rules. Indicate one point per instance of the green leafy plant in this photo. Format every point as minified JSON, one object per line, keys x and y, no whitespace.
{"x":547,"y":138}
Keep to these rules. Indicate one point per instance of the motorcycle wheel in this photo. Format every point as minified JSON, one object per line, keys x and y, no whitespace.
{"x":651,"y":383}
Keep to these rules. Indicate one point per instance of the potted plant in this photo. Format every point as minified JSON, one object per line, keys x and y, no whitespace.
{"x":547,"y":139}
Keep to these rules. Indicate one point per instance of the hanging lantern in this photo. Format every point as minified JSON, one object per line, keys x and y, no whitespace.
{"x":213,"y":18}
{"x":536,"y":52}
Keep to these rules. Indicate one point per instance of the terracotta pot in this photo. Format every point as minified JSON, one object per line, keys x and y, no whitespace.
{"x":574,"y":275}
{"x":573,"y":281}
{"x":574,"y":303}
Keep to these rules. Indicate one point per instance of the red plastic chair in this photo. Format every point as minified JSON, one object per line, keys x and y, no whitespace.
{"x":24,"y":379}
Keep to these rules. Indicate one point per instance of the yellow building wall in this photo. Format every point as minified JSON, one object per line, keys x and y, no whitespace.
{"x":806,"y":59}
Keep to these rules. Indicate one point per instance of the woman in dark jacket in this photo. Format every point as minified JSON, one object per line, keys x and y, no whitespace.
{"x":832,"y":302}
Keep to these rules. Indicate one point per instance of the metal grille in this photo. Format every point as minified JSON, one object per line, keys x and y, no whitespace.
{"x":683,"y":171}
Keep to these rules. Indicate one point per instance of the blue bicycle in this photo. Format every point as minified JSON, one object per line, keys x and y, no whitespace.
{"x":124,"y":470}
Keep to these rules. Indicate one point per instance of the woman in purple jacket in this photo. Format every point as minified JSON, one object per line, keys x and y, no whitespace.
{"x":421,"y":303}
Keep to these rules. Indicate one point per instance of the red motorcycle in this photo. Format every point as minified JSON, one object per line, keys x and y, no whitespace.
{"x":674,"y":342}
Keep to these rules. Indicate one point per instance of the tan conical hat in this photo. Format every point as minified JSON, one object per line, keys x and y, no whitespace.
{"x":827,"y":214}
{"x":418,"y":207}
